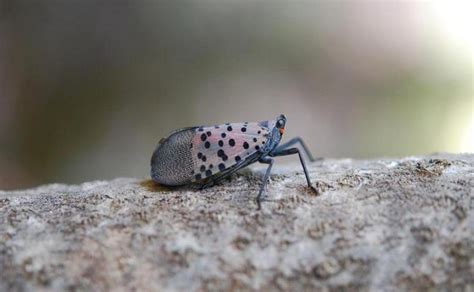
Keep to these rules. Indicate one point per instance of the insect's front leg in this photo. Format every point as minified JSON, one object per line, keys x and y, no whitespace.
{"x":292,"y":151}
{"x":268,"y":161}
{"x":293,"y":141}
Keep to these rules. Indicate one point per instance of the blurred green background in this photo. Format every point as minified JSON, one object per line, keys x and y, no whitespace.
{"x":87,"y":88}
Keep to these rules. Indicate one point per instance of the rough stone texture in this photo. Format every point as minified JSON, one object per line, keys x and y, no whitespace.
{"x":391,"y":224}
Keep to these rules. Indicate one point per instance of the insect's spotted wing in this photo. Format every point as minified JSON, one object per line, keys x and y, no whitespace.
{"x":217,"y":148}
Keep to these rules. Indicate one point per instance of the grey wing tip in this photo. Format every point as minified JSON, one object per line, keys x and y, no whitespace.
{"x":171,"y":162}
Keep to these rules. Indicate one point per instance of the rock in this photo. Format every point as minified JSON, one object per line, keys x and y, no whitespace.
{"x":389,"y":224}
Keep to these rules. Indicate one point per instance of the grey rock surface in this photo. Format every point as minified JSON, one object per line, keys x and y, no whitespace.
{"x":389,"y":224}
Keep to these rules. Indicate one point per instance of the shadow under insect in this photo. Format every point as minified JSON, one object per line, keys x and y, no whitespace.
{"x":154,"y":187}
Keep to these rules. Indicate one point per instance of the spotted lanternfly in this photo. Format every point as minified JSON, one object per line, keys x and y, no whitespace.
{"x":205,"y":155}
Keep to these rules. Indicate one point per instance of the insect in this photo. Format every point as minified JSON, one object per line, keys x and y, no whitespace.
{"x":205,"y":155}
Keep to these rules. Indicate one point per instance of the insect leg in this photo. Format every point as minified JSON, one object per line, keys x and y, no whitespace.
{"x":292,"y":151}
{"x":226,"y":173}
{"x":215,"y":180}
{"x":268,"y":161}
{"x":303,"y":146}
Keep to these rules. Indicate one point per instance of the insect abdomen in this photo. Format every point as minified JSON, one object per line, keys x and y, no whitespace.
{"x":171,"y":163}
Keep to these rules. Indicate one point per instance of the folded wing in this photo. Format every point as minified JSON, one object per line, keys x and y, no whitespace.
{"x":217,"y":148}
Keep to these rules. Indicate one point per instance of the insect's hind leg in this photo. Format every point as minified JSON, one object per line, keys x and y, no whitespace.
{"x":268,"y":161}
{"x":292,"y":151}
{"x":294,"y":141}
{"x":220,"y":177}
